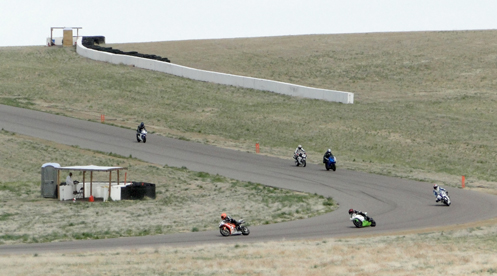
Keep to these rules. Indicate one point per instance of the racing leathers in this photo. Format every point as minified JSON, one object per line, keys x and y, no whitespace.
{"x":326,"y":156}
{"x":229,"y":219}
{"x":297,"y":152}
{"x":364,"y":214}
{"x":437,"y":191}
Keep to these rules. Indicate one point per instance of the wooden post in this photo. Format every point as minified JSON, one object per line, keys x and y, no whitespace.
{"x":84,"y":172}
{"x":91,"y":183}
{"x":110,"y":182}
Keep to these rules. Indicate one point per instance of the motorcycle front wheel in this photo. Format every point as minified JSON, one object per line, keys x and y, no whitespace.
{"x":224,"y":231}
{"x":357,"y":223}
{"x":245,"y":230}
{"x":304,"y":163}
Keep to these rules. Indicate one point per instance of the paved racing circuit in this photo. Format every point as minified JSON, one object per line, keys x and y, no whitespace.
{"x":395,"y":204}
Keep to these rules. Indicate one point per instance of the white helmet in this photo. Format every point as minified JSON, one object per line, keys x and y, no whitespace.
{"x":435,"y":187}
{"x":300,"y":146}
{"x":329,"y":150}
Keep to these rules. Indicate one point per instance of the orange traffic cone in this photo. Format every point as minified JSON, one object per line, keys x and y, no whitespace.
{"x":91,"y":199}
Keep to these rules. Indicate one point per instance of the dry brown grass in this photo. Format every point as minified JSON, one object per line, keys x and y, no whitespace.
{"x":424,"y":109}
{"x":186,"y":201}
{"x":458,"y":252}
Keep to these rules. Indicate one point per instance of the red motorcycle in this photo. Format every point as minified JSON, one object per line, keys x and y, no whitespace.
{"x":228,"y":229}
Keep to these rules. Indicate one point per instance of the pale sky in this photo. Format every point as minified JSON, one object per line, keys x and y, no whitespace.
{"x":28,"y":22}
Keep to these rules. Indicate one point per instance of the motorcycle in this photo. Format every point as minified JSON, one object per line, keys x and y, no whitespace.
{"x":360,"y":221}
{"x":141,"y":137}
{"x":330,"y":163}
{"x":444,"y":195}
{"x":300,"y":159}
{"x":228,"y":229}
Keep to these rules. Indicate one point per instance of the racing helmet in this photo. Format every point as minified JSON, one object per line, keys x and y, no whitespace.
{"x":329,"y":150}
{"x":351,"y":211}
{"x":300,"y":146}
{"x":142,"y":124}
{"x":435,"y":187}
{"x":223,"y":216}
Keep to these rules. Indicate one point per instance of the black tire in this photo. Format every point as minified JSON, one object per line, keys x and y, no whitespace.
{"x":304,"y":163}
{"x":137,"y":138}
{"x":333,"y":167}
{"x":245,"y":230}
{"x":224,"y":231}
{"x":327,"y":167}
{"x":373,"y":223}
{"x":144,"y":139}
{"x":357,"y":223}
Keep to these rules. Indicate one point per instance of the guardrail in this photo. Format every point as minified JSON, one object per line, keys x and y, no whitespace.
{"x":215,"y":77}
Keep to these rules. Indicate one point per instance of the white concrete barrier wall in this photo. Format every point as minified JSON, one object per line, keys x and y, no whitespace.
{"x":220,"y":78}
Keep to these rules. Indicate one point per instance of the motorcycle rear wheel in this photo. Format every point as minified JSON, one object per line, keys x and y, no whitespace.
{"x":137,"y":138}
{"x":224,"y":231}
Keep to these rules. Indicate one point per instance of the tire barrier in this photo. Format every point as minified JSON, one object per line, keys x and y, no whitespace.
{"x":93,"y":42}
{"x":138,"y":190}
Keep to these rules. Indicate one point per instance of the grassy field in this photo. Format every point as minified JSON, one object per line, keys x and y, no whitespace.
{"x":186,"y":201}
{"x":424,"y":109}
{"x":469,"y":251}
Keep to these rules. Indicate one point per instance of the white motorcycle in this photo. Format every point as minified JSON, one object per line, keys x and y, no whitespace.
{"x":300,"y":159}
{"x":141,"y":137}
{"x":444,"y":197}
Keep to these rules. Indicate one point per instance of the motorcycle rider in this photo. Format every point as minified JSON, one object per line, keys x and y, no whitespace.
{"x":229,"y":219}
{"x":141,"y":127}
{"x":436,"y":191}
{"x":327,"y":155}
{"x":364,"y":214}
{"x":297,"y":152}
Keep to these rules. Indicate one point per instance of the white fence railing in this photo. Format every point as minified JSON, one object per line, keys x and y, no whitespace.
{"x":215,"y":77}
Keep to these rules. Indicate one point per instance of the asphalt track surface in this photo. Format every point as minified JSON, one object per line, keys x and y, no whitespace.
{"x":395,"y":204}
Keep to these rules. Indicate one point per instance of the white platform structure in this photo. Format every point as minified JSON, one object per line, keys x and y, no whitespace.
{"x":104,"y":190}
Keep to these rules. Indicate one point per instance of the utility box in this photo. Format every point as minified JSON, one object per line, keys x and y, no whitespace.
{"x":49,"y":180}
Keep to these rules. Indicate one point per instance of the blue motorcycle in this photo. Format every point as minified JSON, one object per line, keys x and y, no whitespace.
{"x":330,"y":163}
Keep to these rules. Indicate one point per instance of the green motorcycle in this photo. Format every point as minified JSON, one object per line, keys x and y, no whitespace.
{"x":360,"y":221}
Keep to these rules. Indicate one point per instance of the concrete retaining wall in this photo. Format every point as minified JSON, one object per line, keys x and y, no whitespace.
{"x":221,"y":78}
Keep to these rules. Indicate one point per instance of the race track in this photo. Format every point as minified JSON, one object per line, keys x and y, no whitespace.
{"x":396,"y":204}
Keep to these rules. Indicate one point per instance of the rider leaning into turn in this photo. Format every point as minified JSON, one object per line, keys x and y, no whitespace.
{"x":229,"y":219}
{"x":436,"y":191}
{"x":298,"y":151}
{"x":364,"y":214}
